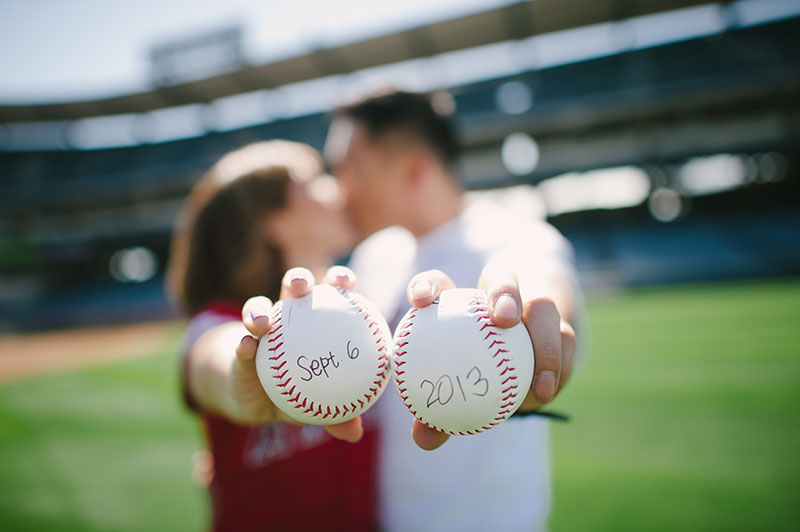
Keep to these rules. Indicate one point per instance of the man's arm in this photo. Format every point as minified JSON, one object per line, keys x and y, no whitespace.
{"x":536,"y":288}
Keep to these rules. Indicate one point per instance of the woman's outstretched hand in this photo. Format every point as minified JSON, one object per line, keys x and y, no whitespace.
{"x":246,"y":388}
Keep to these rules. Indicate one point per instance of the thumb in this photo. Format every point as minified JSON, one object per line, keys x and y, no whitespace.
{"x":350,"y":431}
{"x":502,"y":293}
{"x":245,"y":361}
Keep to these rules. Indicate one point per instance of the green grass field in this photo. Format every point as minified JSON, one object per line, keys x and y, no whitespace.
{"x":686,"y":416}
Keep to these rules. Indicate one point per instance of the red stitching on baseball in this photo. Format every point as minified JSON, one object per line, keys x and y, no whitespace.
{"x":476,"y":306}
{"x":506,"y":406}
{"x":301,"y":402}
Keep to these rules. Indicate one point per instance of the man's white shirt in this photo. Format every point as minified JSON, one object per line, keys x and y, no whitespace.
{"x":496,"y":480}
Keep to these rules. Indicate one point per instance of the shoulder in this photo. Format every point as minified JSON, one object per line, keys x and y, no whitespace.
{"x":501,"y":219}
{"x":381,"y":264}
{"x":382,"y":247}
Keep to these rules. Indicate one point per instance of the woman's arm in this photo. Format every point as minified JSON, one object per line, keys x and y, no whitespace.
{"x":224,"y":383}
{"x":221,"y":370}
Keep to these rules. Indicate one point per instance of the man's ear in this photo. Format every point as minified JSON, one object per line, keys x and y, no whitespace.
{"x":417,"y":163}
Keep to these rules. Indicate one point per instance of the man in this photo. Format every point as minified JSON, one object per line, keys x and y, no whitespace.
{"x":394,"y":155}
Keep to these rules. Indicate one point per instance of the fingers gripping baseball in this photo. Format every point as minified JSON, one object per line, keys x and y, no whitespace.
{"x":425,"y":287}
{"x":502,"y":291}
{"x":246,"y":351}
{"x":352,"y":430}
{"x":543,"y":322}
{"x":295,"y":382}
{"x":342,"y":277}
{"x":568,"y":347}
{"x":426,"y":438}
{"x":422,"y":290}
{"x":253,"y":403}
{"x":256,"y":407}
{"x":255,"y":315}
{"x":297,"y":282}
{"x":504,"y":307}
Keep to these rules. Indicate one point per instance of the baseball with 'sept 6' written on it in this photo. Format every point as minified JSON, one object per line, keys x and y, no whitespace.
{"x":326,"y":358}
{"x":455,"y":370}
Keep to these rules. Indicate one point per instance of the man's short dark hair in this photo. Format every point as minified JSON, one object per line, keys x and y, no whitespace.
{"x":425,"y":117}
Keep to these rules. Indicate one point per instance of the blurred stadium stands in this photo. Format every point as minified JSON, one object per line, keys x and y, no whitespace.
{"x":708,"y":124}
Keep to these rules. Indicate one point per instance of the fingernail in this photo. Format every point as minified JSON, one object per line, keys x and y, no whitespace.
{"x":340,"y":273}
{"x":506,"y":307}
{"x":421,"y":289}
{"x":545,"y":385}
{"x":254,"y":315}
{"x":299,"y":275}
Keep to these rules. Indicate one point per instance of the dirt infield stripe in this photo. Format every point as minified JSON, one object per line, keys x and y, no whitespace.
{"x":34,"y":354}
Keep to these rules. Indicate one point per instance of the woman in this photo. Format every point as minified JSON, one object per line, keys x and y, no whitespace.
{"x":258,"y":211}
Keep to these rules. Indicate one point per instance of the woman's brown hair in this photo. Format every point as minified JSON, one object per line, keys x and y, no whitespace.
{"x":218,"y":247}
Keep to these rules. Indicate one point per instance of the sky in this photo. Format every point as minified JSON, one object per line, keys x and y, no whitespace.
{"x":53,"y":50}
{"x":71,"y":50}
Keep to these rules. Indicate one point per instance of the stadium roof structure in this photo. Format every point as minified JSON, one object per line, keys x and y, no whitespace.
{"x":511,"y":22}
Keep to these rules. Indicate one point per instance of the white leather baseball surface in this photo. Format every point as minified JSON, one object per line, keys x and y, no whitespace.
{"x":455,"y":370}
{"x":326,"y":357}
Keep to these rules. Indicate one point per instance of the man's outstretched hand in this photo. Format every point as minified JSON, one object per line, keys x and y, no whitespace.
{"x":553,"y":338}
{"x":246,"y":388}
